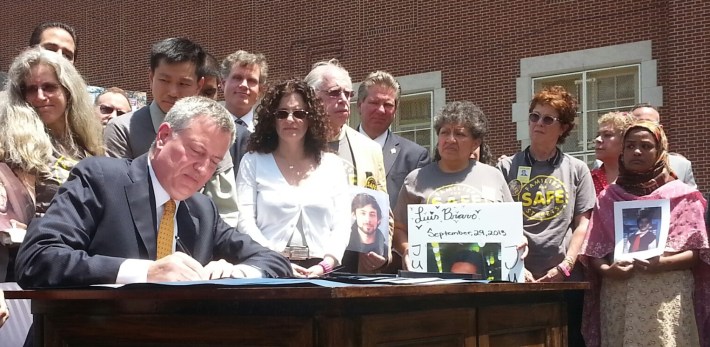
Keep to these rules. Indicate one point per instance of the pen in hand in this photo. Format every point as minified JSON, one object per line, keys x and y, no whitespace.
{"x":179,"y":243}
{"x":337,"y":268}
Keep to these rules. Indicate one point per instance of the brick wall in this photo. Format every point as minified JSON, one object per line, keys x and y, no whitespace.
{"x":476,"y":44}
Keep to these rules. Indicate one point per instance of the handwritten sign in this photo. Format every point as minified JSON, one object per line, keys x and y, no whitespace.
{"x":468,"y":238}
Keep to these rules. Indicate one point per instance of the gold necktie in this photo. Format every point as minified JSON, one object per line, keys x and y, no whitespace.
{"x":166,"y":229}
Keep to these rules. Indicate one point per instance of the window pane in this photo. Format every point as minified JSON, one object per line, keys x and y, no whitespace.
{"x":592,"y":129}
{"x":570,"y":82}
{"x":574,"y":142}
{"x":414,"y":120}
{"x":599,"y":91}
{"x":611,"y":89}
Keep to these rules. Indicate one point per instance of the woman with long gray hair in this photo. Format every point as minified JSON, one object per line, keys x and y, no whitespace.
{"x":48,"y":126}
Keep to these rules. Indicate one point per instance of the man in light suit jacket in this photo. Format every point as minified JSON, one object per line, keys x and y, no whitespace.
{"x":103,"y":224}
{"x":175,"y":72}
{"x":361,"y":156}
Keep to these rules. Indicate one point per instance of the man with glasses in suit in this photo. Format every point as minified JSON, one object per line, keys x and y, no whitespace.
{"x":111,"y":103}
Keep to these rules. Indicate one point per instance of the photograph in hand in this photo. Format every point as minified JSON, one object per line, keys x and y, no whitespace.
{"x":641,"y":228}
{"x":369,"y":222}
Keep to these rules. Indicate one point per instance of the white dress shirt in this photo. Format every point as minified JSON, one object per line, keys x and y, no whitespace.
{"x":380,"y":139}
{"x":248,"y":119}
{"x":136,"y":270}
{"x":270,"y":208}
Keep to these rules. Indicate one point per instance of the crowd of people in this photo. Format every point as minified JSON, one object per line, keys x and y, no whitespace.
{"x":187,"y":188}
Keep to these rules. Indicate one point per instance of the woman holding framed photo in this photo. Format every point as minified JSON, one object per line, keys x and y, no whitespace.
{"x":647,"y":302}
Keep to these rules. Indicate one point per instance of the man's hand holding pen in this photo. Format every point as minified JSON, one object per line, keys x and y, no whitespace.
{"x":181,"y":266}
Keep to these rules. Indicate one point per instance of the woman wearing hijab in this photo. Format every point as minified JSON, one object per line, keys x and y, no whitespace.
{"x":647,"y":302}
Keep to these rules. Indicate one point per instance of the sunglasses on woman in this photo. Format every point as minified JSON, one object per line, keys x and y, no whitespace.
{"x":546,"y":120}
{"x":283,"y":114}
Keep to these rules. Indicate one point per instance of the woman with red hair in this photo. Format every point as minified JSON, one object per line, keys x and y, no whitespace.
{"x":556,"y":189}
{"x":557,"y":195}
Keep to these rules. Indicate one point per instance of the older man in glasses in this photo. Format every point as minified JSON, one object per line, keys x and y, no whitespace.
{"x":111,"y":103}
{"x":362,"y":157}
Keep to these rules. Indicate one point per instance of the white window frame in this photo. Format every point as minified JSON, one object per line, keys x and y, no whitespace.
{"x":584,"y":60}
{"x":586,"y":154}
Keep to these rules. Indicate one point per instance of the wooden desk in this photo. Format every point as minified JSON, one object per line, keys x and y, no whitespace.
{"x":502,"y":314}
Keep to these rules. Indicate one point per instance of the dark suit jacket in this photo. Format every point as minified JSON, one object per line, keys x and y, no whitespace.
{"x":105,"y":213}
{"x":130,"y":135}
{"x":239,"y":147}
{"x":401,"y":156}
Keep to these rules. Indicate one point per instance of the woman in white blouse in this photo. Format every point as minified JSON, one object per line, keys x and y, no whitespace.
{"x":293,"y":197}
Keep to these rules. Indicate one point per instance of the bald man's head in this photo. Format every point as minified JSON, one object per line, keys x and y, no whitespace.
{"x":647,"y":112}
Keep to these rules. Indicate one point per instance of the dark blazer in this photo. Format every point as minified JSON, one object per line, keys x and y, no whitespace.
{"x":130,"y":135}
{"x":401,"y":156}
{"x":105,"y":213}
{"x":239,"y":147}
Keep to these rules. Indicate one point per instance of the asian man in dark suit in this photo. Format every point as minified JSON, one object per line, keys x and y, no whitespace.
{"x":377,"y":101}
{"x":113,"y":221}
{"x":176,"y":71}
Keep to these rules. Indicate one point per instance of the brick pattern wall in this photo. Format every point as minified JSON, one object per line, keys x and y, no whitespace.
{"x":476,"y":44}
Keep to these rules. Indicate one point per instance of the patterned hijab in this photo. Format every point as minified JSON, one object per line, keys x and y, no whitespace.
{"x":643,"y":183}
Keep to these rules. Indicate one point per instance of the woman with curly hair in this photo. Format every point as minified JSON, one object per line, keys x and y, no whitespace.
{"x":607,"y":147}
{"x":48,"y":126}
{"x":293,"y":197}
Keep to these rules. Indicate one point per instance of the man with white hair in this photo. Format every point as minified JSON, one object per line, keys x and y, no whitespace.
{"x":362,"y":157}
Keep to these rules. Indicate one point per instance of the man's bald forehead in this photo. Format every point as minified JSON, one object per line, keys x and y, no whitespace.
{"x":647,"y":113}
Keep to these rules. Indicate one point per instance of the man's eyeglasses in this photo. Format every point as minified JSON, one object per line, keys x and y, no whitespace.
{"x":546,"y":120}
{"x":335,"y":93}
{"x":283,"y":114}
{"x":105,"y":109}
{"x":47,"y":88}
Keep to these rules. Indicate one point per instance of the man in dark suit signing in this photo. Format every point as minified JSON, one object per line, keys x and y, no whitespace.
{"x":141,"y":220}
{"x":377,"y":101}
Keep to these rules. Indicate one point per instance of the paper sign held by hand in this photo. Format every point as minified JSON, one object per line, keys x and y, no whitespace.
{"x":476,"y":238}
